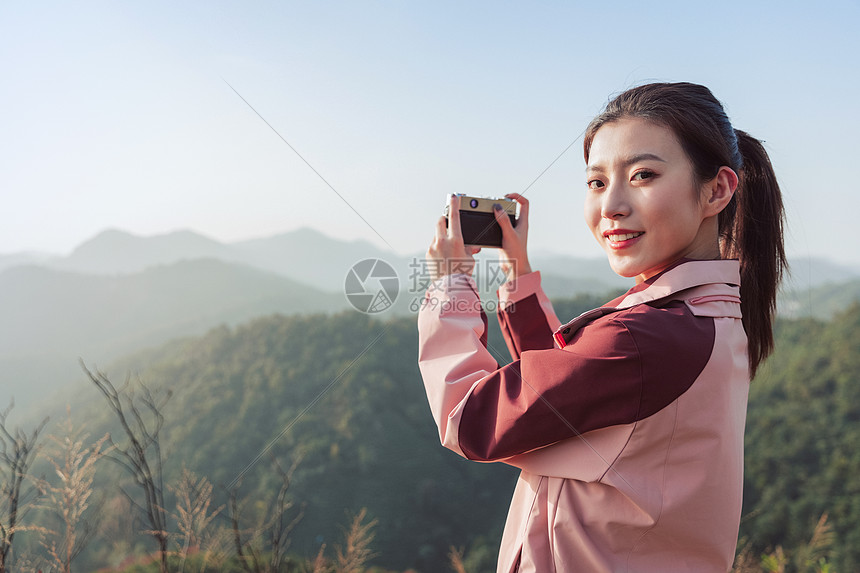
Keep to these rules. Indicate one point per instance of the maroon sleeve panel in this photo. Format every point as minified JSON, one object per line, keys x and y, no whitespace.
{"x":507,"y":334}
{"x":524,"y":326}
{"x":618,"y":369}
{"x":486,"y":322}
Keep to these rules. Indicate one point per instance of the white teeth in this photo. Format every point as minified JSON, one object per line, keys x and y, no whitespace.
{"x":624,"y":237}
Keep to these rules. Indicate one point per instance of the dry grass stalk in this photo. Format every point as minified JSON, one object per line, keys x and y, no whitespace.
{"x":455,"y":557}
{"x":193,"y":517}
{"x":815,"y":552}
{"x":141,"y":418}
{"x":273,"y":533}
{"x":353,"y":557}
{"x":320,"y":564}
{"x":746,"y":561}
{"x":17,"y":452}
{"x":75,"y":465}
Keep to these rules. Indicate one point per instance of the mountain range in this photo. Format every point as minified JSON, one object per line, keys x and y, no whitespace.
{"x":305,"y":255}
{"x":117,"y":293}
{"x":313,"y":258}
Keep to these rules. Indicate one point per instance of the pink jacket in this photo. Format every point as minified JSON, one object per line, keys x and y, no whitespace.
{"x":627,"y":422}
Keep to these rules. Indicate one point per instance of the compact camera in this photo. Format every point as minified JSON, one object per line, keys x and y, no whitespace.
{"x":478,"y":221}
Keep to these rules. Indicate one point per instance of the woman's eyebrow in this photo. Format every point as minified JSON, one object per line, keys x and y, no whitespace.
{"x":643,"y":157}
{"x":633,"y":159}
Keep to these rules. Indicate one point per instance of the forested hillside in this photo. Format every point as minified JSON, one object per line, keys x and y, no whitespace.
{"x":341,"y":396}
{"x":51,"y":317}
{"x":803,"y":439}
{"x":367,"y":439}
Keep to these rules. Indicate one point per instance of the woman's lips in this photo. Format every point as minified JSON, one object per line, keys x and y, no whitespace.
{"x":619,"y":239}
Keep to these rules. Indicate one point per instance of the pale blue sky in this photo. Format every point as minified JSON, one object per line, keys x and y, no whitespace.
{"x":116,"y":114}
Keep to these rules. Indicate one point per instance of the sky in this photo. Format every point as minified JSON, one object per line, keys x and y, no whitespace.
{"x":241,"y":120}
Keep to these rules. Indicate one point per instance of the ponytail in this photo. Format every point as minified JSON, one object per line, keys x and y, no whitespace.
{"x":751,"y":225}
{"x":751,"y":230}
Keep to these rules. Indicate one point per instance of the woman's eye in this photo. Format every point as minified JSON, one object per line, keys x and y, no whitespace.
{"x":595,"y":184}
{"x":640,"y":175}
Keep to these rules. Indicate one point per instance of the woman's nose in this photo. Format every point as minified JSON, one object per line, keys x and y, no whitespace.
{"x":615,"y":202}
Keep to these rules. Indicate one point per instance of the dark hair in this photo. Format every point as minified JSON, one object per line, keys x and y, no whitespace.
{"x":751,"y":225}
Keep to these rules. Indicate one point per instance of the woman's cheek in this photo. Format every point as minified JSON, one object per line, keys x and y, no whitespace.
{"x":591,"y":213}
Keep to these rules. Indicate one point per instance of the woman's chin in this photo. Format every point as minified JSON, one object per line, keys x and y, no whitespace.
{"x":622,"y":270}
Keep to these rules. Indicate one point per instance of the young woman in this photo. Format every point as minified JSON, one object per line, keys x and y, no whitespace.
{"x":628,"y":421}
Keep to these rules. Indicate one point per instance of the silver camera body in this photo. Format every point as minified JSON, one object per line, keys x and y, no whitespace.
{"x":478,"y":220}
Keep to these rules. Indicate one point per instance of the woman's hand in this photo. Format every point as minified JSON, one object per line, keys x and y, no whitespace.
{"x":447,"y":254}
{"x":513,"y":255}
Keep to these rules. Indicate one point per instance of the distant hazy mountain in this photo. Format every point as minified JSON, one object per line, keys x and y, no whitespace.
{"x":118,"y":252}
{"x":806,"y":272}
{"x":28,"y":258}
{"x":817,"y":288}
{"x":305,"y":255}
{"x":822,"y":301}
{"x":312,"y":257}
{"x":52,"y":317}
{"x":594,"y":274}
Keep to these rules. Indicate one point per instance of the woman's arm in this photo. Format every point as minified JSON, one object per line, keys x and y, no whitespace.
{"x":452,"y":353}
{"x":526,"y":316}
{"x":619,"y":370}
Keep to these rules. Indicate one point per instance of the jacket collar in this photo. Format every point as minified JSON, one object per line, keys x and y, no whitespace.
{"x":685,"y":275}
{"x":686,"y":280}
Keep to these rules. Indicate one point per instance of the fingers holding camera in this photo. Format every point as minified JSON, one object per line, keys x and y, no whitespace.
{"x":513,"y":254}
{"x":447,"y":254}
{"x":454,"y":217}
{"x":523,"y":219}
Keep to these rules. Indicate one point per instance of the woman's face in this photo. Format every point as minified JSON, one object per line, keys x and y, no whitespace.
{"x":643,"y":203}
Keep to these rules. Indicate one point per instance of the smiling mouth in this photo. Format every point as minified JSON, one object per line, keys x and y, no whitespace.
{"x":620,"y":237}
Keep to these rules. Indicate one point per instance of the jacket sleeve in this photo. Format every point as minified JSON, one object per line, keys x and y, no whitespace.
{"x":618,"y":370}
{"x":452,"y":352}
{"x":525,"y":315}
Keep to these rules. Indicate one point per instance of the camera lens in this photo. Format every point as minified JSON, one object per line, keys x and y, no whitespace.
{"x":473,"y":203}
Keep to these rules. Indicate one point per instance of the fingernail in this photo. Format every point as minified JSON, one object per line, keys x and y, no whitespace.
{"x":497,"y":207}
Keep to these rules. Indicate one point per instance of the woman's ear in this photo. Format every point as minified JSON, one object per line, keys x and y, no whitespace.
{"x":720,"y":190}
